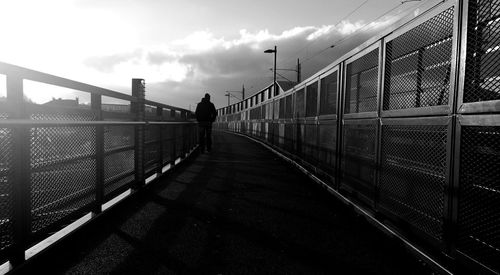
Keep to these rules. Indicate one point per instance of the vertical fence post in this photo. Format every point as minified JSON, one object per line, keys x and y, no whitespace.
{"x":95,"y":102}
{"x":138,"y":108}
{"x":21,"y":171}
{"x":183,"y":134}
{"x":159,"y":114}
{"x":173,"y":154}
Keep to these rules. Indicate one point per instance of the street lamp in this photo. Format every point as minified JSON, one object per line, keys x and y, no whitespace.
{"x":275,"y":51}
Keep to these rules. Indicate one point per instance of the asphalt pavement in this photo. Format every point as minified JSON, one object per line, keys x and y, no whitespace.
{"x":236,"y":210}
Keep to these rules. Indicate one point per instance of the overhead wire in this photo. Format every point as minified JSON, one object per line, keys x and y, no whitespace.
{"x":343,"y":39}
{"x":351,"y":35}
{"x":334,"y":25}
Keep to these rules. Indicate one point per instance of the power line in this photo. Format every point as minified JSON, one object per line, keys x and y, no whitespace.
{"x":334,"y":25}
{"x":346,"y":37}
{"x":351,"y":35}
{"x":356,"y":32}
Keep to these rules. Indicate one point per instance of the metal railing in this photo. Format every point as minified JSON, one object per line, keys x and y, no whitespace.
{"x":407,"y":126}
{"x":58,"y":163}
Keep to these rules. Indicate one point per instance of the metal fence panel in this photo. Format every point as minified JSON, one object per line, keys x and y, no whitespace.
{"x":168,"y":139}
{"x":6,"y":187}
{"x":327,"y":146}
{"x":362,"y":84}
{"x":152,"y":150}
{"x":310,"y":145}
{"x":413,"y":169}
{"x":418,"y":65}
{"x":119,"y":159}
{"x":312,"y":99}
{"x":63,"y":172}
{"x":328,"y":102}
{"x":478,"y":233}
{"x":300,"y":103}
{"x":483,"y":42}
{"x":289,"y":137}
{"x":359,"y":157}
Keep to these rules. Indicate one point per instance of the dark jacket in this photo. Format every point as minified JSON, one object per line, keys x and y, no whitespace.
{"x":205,"y":111}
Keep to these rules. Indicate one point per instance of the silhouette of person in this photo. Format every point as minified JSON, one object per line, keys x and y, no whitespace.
{"x":205,"y":115}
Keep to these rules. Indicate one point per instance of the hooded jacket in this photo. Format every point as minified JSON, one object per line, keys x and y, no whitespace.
{"x":205,"y":111}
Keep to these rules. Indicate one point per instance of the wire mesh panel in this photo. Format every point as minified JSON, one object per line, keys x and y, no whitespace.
{"x":276,"y":133}
{"x":289,"y":107}
{"x":289,"y":136}
{"x":179,"y":137}
{"x":53,"y":115}
{"x":276,"y":109}
{"x":362,"y":84}
{"x":152,"y":150}
{"x":327,"y":145}
{"x":328,"y":100}
{"x":262,"y":129}
{"x":479,"y":195}
{"x":119,"y":159}
{"x":309,"y":144}
{"x":281,"y":133}
{"x":418,"y":65}
{"x":312,"y":99}
{"x":168,"y":142}
{"x":63,"y":172}
{"x":6,"y":187}
{"x":270,"y":132}
{"x":483,"y":45}
{"x":413,"y":175}
{"x":300,"y":103}
{"x":282,"y":108}
{"x":359,"y":157}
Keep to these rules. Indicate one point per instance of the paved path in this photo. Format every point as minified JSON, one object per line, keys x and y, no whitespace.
{"x":237,"y":210}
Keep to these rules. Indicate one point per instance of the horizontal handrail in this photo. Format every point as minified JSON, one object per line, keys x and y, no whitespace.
{"x":28,"y":74}
{"x":61,"y":123}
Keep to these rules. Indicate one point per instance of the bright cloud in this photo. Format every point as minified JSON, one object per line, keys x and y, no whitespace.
{"x":199,"y":41}
{"x":99,"y":47}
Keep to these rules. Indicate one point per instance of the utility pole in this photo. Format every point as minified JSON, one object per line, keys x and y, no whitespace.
{"x":275,"y":51}
{"x":298,"y":71}
{"x":229,"y":95}
{"x":274,"y":78}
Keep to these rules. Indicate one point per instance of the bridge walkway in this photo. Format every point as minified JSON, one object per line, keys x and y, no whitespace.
{"x":237,"y":210}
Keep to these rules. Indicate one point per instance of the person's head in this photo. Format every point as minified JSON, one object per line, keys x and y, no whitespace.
{"x":207,"y":96}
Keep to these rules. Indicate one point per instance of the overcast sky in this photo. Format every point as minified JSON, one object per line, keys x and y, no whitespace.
{"x":183,"y":48}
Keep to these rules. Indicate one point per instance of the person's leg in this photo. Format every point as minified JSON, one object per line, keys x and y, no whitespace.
{"x":201,"y":134}
{"x":209,"y":137}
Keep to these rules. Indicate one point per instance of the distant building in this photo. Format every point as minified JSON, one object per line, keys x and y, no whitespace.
{"x":121,"y":108}
{"x":59,"y":102}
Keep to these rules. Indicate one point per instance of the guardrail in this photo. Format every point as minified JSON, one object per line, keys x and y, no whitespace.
{"x":57,"y":164}
{"x":407,"y":126}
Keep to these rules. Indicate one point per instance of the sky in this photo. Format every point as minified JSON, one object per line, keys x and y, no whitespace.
{"x":182,"y":48}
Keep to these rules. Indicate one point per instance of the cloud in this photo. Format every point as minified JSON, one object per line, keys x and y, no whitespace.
{"x":108,"y":63}
{"x":178,"y":73}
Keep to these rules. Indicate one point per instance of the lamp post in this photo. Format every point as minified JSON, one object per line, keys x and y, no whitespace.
{"x":275,"y":51}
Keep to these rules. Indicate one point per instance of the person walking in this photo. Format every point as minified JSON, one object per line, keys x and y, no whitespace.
{"x":205,"y":115}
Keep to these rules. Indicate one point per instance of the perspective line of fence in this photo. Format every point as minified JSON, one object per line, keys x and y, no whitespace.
{"x":407,"y":126}
{"x":60,"y":161}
